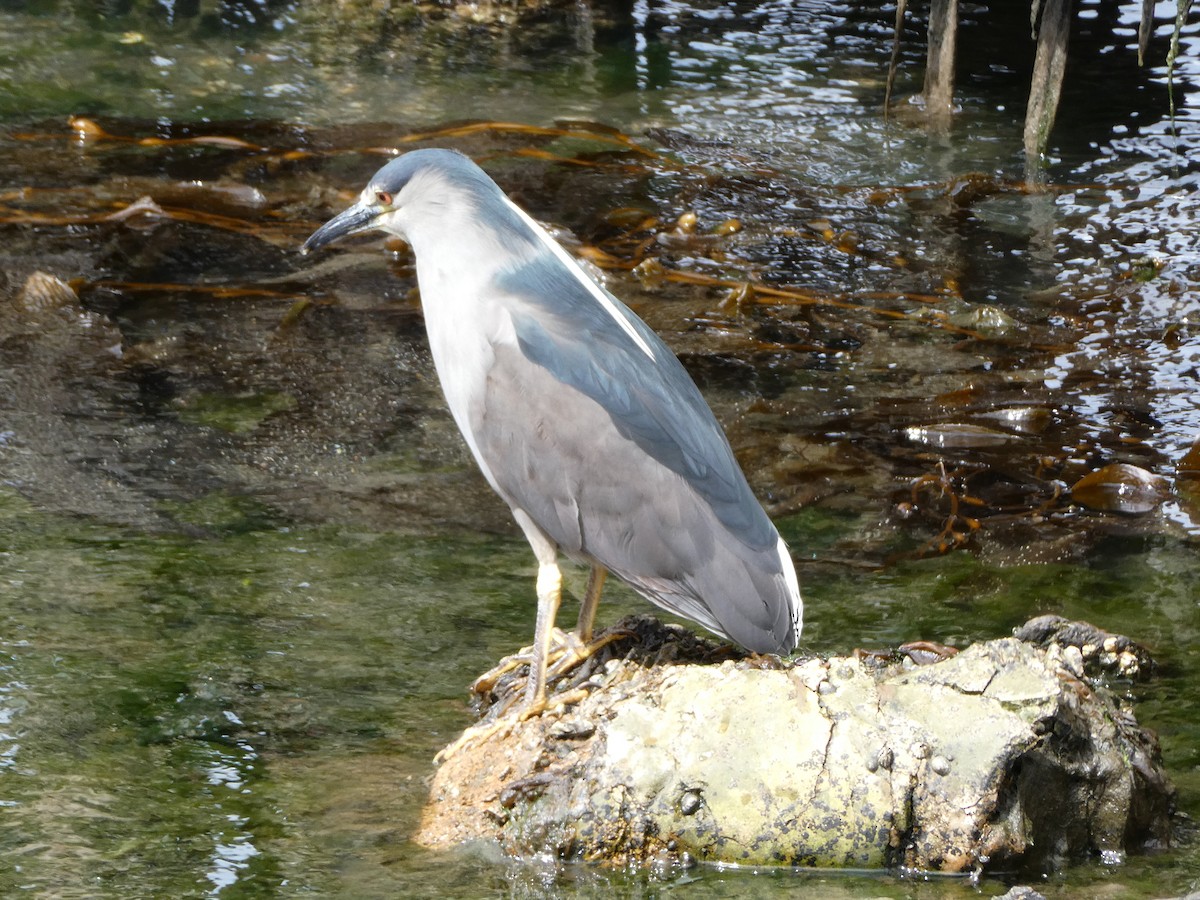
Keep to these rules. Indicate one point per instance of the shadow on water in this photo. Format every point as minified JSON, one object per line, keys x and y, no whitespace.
{"x":247,"y":568}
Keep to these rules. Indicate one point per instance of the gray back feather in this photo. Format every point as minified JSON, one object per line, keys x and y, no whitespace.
{"x":653,"y":403}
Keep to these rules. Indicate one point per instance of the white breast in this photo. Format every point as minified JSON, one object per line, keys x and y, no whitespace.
{"x":463,"y":328}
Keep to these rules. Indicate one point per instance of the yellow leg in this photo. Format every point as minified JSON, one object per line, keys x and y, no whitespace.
{"x":549,"y":591}
{"x":571,"y":649}
{"x":589,"y":604}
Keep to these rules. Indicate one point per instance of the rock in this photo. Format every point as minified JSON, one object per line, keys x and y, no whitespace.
{"x":43,"y":292}
{"x":1099,"y":651}
{"x":1021,"y":892}
{"x":997,"y":756}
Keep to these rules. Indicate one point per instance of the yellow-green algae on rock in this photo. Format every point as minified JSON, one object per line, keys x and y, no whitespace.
{"x":984,"y":758}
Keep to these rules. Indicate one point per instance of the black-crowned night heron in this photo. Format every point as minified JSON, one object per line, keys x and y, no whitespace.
{"x":581,"y":419}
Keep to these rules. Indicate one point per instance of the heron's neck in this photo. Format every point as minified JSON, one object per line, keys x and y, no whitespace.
{"x":462,"y":255}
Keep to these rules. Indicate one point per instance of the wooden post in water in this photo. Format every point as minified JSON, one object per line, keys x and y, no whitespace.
{"x":939,"y":66}
{"x":1048,"y":68}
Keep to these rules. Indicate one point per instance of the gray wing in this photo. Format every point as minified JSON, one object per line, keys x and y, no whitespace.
{"x":618,"y":459}
{"x":555,"y":454}
{"x":654,"y":403}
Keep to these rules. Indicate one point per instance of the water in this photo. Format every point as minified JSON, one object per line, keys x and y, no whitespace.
{"x":246,"y":567}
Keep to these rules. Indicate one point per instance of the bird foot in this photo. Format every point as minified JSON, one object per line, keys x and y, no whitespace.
{"x":576,"y":652}
{"x":568,"y":652}
{"x":476,"y":733}
{"x":487,"y":682}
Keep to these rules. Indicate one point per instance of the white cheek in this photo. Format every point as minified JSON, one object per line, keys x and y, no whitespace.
{"x":393,"y":223}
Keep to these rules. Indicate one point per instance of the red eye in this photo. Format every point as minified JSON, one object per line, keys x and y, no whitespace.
{"x":383,"y":198}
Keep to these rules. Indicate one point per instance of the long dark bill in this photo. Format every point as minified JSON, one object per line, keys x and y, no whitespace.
{"x":358,"y":217}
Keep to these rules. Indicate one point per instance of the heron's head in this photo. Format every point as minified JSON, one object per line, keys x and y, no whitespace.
{"x":409,"y":189}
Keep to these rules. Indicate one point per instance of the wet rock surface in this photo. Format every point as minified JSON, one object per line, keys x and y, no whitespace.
{"x":1002,"y":756}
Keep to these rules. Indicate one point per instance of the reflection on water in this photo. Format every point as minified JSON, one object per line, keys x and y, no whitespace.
{"x":229,"y":858}
{"x":11,"y":702}
{"x":237,"y":688}
{"x":229,"y":771}
{"x":1136,"y":222}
